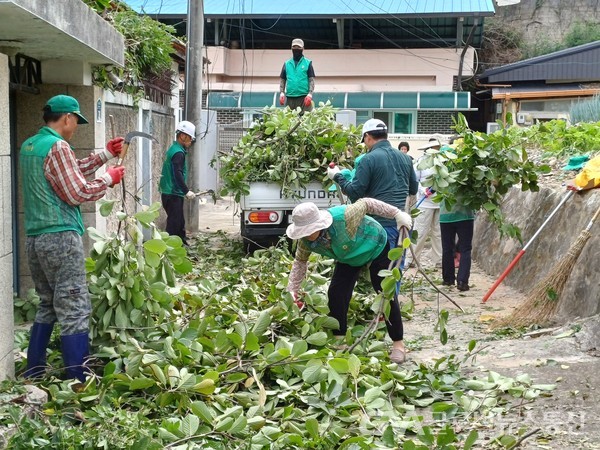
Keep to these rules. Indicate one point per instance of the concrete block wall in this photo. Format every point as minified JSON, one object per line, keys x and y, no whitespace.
{"x":429,"y":122}
{"x":6,"y":242}
{"x":226,"y":116}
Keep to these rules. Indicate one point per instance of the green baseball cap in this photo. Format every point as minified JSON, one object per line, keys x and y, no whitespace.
{"x":66,"y":104}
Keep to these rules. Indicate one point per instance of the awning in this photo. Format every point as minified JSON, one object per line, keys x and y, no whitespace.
{"x":446,"y":101}
{"x":546,"y":91}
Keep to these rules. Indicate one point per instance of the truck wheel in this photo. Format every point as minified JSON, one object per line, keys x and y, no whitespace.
{"x":251,"y":244}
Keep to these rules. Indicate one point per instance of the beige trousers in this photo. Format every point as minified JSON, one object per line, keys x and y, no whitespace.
{"x":428,"y":224}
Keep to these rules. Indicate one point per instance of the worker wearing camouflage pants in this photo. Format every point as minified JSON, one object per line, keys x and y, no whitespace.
{"x":54,"y":185}
{"x":57,"y":265}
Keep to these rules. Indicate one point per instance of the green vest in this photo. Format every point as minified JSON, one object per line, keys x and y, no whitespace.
{"x":167,"y":183}
{"x":458,"y":213}
{"x":297,"y":84}
{"x":45,"y":212}
{"x":364,"y":247}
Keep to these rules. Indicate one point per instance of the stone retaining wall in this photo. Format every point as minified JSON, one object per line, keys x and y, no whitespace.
{"x":548,"y":19}
{"x":528,"y":211}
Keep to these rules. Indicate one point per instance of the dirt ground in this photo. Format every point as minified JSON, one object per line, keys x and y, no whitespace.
{"x":568,"y":418}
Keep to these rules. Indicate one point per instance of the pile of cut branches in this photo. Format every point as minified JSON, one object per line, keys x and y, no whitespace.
{"x":288,"y":148}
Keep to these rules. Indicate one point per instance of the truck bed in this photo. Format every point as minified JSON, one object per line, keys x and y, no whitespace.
{"x":269,"y":196}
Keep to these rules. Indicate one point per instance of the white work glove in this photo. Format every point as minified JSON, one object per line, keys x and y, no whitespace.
{"x":332,"y":172}
{"x":403,"y":220}
{"x":190,"y":195}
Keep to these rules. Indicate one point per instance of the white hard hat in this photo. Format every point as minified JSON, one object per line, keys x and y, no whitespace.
{"x":373,"y":125}
{"x":188,"y":128}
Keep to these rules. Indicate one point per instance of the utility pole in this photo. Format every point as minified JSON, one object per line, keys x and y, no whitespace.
{"x":193,"y":101}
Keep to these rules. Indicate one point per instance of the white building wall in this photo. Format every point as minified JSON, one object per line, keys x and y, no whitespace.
{"x":352,"y":70}
{"x":6,"y":241}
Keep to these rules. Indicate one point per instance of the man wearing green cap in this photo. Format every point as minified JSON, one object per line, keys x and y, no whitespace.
{"x":54,"y":184}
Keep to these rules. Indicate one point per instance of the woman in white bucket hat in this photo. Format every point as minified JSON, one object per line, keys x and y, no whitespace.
{"x":346,"y":234}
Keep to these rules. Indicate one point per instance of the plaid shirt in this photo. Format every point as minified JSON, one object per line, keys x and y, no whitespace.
{"x":353,"y":215}
{"x":67,"y":175}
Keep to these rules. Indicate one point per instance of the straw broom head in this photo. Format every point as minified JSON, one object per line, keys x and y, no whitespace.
{"x":539,"y":306}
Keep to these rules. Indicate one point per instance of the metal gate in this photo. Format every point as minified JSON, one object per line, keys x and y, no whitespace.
{"x":229,"y":135}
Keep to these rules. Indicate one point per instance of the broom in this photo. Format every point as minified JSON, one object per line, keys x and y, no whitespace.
{"x":542,"y":302}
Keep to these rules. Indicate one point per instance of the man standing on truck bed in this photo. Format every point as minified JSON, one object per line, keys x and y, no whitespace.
{"x":384,"y":173}
{"x":297,"y":79}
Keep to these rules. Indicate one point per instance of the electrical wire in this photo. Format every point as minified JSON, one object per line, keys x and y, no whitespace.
{"x":406,"y":23}
{"x":266,"y":29}
{"x":381,"y":51}
{"x":386,"y":38}
{"x":476,"y":66}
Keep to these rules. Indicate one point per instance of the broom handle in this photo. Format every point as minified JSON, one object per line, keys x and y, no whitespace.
{"x":514,"y":262}
{"x":589,"y":226}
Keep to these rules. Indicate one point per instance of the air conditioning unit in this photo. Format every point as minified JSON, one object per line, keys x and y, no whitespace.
{"x":524,"y":119}
{"x":491,"y":127}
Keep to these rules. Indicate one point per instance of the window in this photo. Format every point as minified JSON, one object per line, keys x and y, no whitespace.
{"x":403,"y":123}
{"x":397,"y":122}
{"x":547,"y":105}
{"x":250,"y":117}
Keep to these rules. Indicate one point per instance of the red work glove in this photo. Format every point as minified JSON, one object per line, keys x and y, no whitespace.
{"x":114,"y":175}
{"x":297,"y":301}
{"x":308,"y":100}
{"x":282,"y":99}
{"x":114,"y":146}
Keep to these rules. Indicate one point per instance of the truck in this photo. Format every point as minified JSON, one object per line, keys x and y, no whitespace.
{"x":265,"y":212}
{"x":279,"y":162}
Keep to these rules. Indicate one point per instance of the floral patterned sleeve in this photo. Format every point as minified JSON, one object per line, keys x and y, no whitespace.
{"x":379,"y":208}
{"x":299,"y":266}
{"x":355,"y":213}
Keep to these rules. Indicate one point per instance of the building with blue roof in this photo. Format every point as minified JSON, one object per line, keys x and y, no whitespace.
{"x":401,"y":61}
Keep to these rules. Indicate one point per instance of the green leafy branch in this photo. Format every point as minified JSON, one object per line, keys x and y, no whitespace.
{"x":148,"y":48}
{"x":129,"y":279}
{"x":480,"y":171}
{"x":237,"y":365}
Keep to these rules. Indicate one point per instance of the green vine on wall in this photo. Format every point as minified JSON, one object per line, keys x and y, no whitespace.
{"x":148,"y":48}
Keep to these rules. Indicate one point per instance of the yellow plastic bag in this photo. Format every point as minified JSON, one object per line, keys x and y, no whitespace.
{"x":589,"y":177}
